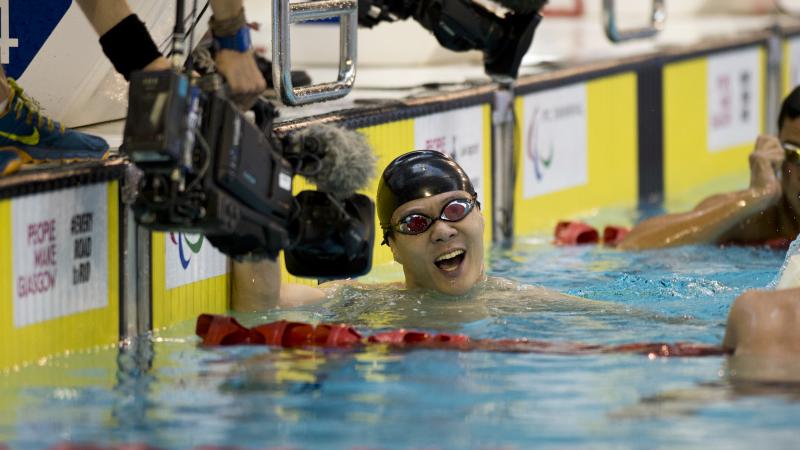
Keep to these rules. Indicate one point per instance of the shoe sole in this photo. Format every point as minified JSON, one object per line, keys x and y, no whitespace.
{"x":11,"y":167}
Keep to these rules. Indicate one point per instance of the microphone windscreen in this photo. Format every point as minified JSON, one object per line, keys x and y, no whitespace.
{"x":348,"y":161}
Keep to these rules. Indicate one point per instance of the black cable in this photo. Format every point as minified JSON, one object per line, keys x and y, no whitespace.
{"x":164,"y":45}
{"x":191,"y":37}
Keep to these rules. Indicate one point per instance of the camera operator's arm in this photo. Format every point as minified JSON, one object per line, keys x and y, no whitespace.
{"x":234,"y":59}
{"x":127,"y":43}
{"x":123,"y":36}
{"x":256,"y":286}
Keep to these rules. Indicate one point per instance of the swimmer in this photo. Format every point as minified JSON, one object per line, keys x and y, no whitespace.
{"x":431,"y":220}
{"x":766,"y":323}
{"x":767,"y":211}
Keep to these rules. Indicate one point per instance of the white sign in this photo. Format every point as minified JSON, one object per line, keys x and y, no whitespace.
{"x":554,"y":140}
{"x":734,"y":96}
{"x":458,"y":133}
{"x":191,"y":258}
{"x":60,"y":242}
{"x":794,"y":62}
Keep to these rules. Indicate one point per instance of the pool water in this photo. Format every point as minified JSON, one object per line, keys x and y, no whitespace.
{"x":165,"y":391}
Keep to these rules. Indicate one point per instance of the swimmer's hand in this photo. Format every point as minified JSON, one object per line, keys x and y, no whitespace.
{"x":765,"y":164}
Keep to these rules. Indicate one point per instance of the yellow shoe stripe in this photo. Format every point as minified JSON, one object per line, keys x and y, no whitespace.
{"x":31,"y":139}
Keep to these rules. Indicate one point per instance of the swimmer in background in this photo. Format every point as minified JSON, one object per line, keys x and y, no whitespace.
{"x":432,"y":223}
{"x":766,"y":211}
{"x":766,"y":323}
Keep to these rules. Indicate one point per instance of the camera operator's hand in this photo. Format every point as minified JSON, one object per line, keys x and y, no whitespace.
{"x":765,"y":162}
{"x":244,"y":79}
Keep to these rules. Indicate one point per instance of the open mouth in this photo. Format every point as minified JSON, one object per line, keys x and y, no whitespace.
{"x":451,"y":260}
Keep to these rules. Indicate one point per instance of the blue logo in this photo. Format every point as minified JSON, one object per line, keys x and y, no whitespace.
{"x":30,"y":23}
{"x":194,"y":247}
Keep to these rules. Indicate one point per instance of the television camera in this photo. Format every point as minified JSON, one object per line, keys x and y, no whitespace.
{"x":206,"y":168}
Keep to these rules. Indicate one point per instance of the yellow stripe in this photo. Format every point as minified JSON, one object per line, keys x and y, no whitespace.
{"x":8,"y":356}
{"x":77,"y":331}
{"x":786,"y":68}
{"x":171,"y":306}
{"x":612,"y":159}
{"x":687,"y":161}
{"x":488,"y":185}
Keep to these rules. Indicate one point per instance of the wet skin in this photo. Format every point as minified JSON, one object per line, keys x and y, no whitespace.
{"x":448,"y":257}
{"x":780,"y":220}
{"x":790,"y":169}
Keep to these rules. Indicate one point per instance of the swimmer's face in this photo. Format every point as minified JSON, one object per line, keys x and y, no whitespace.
{"x":790,"y":132}
{"x":448,"y":256}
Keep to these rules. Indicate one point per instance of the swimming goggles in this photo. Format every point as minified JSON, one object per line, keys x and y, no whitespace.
{"x":792,"y":151}
{"x":453,"y":211}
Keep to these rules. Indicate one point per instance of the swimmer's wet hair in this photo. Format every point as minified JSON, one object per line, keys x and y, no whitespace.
{"x":790,"y":108}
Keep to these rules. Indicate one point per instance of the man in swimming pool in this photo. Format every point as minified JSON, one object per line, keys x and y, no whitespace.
{"x":764,"y":323}
{"x":432,"y":222}
{"x":766,"y":211}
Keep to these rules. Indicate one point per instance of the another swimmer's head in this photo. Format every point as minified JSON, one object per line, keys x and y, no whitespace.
{"x":789,"y":135}
{"x":430,"y":216}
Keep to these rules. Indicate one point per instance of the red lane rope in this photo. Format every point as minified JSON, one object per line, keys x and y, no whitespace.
{"x":218,"y":330}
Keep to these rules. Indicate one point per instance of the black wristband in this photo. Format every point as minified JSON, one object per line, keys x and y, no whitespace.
{"x":129,"y":46}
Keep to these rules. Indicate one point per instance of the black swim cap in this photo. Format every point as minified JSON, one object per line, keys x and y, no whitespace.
{"x":418,"y":174}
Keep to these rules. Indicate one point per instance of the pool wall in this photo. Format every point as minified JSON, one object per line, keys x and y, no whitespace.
{"x":560,"y":143}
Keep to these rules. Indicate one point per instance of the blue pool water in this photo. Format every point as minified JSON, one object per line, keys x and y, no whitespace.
{"x":167,"y":392}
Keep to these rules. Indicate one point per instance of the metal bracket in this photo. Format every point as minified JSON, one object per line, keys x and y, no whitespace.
{"x":658,"y":17}
{"x":285,"y":13}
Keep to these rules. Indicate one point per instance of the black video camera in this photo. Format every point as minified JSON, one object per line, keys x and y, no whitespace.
{"x":207,"y":169}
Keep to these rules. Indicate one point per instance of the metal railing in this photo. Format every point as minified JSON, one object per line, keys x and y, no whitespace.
{"x":285,"y":13}
{"x":657,"y":18}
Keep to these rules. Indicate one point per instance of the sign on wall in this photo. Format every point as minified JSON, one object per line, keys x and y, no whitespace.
{"x":554,"y":140}
{"x":458,"y":133}
{"x":734,"y":96}
{"x":60,"y":242}
{"x":191,"y":258}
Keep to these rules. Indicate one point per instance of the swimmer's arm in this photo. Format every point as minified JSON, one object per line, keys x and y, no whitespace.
{"x":543,"y":293}
{"x":706,"y":223}
{"x":764,"y":323}
{"x":718,"y":216}
{"x":256,"y":286}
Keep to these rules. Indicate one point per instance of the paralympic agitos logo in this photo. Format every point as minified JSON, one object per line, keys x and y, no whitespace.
{"x":540,"y":162}
{"x":183,"y":240}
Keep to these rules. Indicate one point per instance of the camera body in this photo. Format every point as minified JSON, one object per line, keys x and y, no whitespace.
{"x":461,"y":25}
{"x":207,"y":169}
